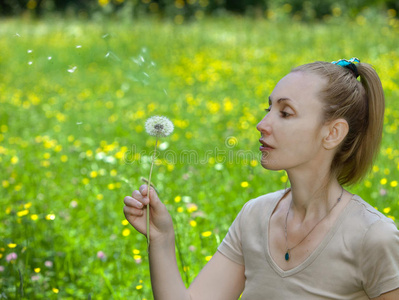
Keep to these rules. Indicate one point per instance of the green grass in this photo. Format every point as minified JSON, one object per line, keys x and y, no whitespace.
{"x":73,"y":145}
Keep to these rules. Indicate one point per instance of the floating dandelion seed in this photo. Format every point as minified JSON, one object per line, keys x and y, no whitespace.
{"x":30,"y":51}
{"x":71,"y":70}
{"x":79,"y":46}
{"x":49,"y":58}
{"x":157,"y":126}
{"x":110,"y":54}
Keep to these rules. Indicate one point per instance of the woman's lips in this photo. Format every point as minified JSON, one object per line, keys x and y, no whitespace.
{"x":265,"y":146}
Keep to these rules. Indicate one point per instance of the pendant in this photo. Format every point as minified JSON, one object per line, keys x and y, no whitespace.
{"x":287,"y":255}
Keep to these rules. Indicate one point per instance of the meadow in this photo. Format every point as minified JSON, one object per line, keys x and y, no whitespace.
{"x":74,"y":97}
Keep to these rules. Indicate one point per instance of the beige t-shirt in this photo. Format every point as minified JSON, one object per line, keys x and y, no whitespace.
{"x":357,"y":259}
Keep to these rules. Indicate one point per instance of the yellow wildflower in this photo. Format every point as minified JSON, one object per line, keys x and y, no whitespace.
{"x":192,"y":208}
{"x":244,"y":184}
{"x":22,"y":213}
{"x":206,"y":233}
{"x":50,"y":217}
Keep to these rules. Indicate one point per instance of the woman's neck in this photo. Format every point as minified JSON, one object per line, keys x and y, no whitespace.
{"x":312,"y":196}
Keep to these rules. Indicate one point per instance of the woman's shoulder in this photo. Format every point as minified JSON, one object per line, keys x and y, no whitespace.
{"x":372,"y":220}
{"x":366,"y":211}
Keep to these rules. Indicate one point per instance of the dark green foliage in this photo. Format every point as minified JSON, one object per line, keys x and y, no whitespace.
{"x":187,"y":9}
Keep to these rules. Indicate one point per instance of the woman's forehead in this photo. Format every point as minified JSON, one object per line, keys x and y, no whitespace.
{"x":299,"y":87}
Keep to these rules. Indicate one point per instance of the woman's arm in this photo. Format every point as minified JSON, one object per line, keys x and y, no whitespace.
{"x":220,"y":279}
{"x":392,"y":295}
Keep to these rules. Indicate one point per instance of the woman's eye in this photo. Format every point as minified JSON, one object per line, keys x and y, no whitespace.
{"x":285,"y":114}
{"x":268,"y":109}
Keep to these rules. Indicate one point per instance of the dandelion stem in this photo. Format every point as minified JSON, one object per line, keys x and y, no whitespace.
{"x":148,"y":195}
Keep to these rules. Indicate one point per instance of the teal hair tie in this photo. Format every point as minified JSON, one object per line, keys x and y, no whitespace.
{"x":349,"y":64}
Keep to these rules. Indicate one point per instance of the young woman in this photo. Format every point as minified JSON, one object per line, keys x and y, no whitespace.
{"x":314,"y":240}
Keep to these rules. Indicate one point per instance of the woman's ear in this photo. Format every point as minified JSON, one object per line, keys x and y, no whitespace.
{"x":335,"y":134}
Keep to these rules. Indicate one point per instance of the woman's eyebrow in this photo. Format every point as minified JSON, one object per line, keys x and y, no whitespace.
{"x":279,"y":100}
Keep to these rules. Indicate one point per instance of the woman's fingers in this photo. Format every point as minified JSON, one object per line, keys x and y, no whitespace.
{"x":132,"y":211}
{"x":153,"y":196}
{"x":133,"y":202}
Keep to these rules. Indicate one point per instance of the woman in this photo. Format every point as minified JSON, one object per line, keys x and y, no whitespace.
{"x":314,"y":240}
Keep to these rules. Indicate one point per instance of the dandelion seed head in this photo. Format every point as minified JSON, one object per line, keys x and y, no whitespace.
{"x":159,"y":126}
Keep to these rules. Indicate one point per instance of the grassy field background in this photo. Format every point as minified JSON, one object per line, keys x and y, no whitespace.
{"x":74,"y":97}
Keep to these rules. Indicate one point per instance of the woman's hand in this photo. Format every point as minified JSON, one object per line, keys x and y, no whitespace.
{"x":135,"y":209}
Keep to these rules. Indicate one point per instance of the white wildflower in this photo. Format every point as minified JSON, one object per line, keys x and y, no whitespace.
{"x":159,"y":126}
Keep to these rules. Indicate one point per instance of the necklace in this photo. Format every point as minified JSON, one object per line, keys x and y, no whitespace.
{"x":288,"y":250}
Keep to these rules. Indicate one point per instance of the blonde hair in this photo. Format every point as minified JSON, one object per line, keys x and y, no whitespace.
{"x":361,"y":104}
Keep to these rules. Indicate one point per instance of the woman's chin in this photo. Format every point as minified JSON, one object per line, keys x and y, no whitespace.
{"x":268,"y":165}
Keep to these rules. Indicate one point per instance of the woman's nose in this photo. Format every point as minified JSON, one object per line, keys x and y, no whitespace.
{"x":264,"y":126}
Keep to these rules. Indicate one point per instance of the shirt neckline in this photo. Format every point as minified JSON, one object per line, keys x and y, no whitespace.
{"x":315,"y":252}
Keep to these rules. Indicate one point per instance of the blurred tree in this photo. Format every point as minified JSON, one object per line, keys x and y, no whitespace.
{"x":304,"y":10}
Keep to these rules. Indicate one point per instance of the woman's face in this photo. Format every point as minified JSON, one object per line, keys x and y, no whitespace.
{"x":292,"y":130}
